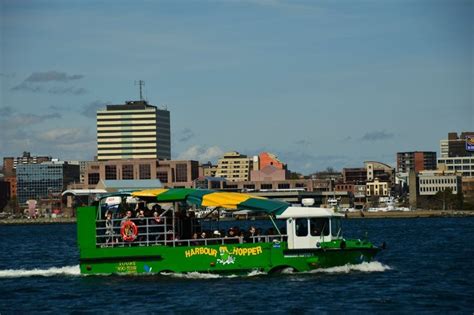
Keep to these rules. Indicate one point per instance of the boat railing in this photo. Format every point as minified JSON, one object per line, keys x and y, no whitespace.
{"x":150,"y":232}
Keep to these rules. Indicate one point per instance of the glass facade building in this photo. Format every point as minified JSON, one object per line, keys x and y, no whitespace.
{"x":37,"y":181}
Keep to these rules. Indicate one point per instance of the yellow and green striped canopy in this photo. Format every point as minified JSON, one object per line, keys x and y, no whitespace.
{"x":211,"y":198}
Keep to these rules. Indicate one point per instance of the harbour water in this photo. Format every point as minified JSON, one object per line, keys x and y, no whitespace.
{"x":427,"y":266}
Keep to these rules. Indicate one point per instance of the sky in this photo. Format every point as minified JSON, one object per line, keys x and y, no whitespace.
{"x":318,"y":83}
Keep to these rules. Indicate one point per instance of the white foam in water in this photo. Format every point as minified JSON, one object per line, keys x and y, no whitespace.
{"x":255,"y":273}
{"x":53,"y":271}
{"x":192,"y":275}
{"x":202,"y":275}
{"x":373,"y":266}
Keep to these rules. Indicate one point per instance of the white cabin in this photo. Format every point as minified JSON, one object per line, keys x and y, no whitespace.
{"x":307,"y":227}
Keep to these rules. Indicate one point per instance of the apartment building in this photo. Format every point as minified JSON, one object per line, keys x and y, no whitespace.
{"x":416,"y":160}
{"x":236,"y":167}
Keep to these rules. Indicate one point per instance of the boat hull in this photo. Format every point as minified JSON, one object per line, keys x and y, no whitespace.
{"x":219,"y":258}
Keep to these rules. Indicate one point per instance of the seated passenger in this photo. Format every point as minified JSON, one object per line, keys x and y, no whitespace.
{"x":251,"y":233}
{"x":194,"y":239}
{"x":232,"y":237}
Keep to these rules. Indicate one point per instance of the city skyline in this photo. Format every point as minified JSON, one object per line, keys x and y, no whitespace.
{"x":319,"y":84}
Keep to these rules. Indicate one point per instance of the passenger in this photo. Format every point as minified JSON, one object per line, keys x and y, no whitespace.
{"x":250,"y":237}
{"x":109,"y":228}
{"x":141,"y":223}
{"x":194,"y":238}
{"x":186,"y":226}
{"x":216,"y":235}
{"x":258,"y":235}
{"x":242,"y":237}
{"x":127,"y":217}
{"x":270,"y":233}
{"x":156,"y":229}
{"x":231,"y":236}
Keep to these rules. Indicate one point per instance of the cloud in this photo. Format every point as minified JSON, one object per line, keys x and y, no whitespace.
{"x":25,"y":120}
{"x":7,"y":75}
{"x":200,"y":153}
{"x":377,"y":136}
{"x":90,"y":110}
{"x":52,"y":76}
{"x":6,"y":111}
{"x":36,"y":81}
{"x":18,"y":135}
{"x":61,"y":135}
{"x":186,"y":134}
{"x":67,"y":90}
{"x":24,"y":86}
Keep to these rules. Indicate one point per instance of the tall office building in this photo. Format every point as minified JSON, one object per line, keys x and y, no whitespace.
{"x":134,"y":130}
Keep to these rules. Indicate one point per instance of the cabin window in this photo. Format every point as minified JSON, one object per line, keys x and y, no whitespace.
{"x":319,"y":226}
{"x":301,"y":227}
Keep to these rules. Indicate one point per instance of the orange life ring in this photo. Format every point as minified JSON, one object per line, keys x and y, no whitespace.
{"x":129,"y":231}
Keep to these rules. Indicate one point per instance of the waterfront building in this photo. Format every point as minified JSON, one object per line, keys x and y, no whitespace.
{"x":236,"y":167}
{"x":134,"y":130}
{"x":268,"y":159}
{"x":290,"y":190}
{"x":82,"y":169}
{"x":354,"y":175}
{"x":377,"y":188}
{"x":416,"y":160}
{"x":172,"y":173}
{"x":269,"y":173}
{"x":12,"y":182}
{"x":461,"y":165}
{"x":10,"y":163}
{"x":457,"y":146}
{"x":431,"y":182}
{"x":4,"y":193}
{"x":379,"y":170}
{"x":36,"y":181}
{"x":468,"y":189}
{"x":207,"y":169}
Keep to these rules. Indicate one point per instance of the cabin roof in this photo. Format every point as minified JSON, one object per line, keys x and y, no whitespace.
{"x":307,"y":212}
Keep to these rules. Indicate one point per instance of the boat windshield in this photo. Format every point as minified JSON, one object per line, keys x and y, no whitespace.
{"x":319,"y":226}
{"x":336,"y":227}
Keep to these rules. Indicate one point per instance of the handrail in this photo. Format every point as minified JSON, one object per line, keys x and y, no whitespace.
{"x":162,"y":234}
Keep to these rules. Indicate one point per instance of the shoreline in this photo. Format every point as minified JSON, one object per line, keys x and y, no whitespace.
{"x":411,"y":214}
{"x":348,"y":215}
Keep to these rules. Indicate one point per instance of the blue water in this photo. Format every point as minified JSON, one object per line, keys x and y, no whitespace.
{"x":427,"y":267}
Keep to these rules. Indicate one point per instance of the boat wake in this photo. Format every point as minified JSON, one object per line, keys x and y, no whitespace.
{"x":49,"y":272}
{"x":366,"y":267}
{"x":373,"y":266}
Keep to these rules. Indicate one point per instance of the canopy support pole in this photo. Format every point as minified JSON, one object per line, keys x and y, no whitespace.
{"x":274,"y":224}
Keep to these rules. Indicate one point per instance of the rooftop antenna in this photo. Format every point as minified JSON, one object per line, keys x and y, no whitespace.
{"x":140,"y":83}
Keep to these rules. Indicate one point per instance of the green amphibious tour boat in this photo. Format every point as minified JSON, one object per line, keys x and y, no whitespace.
{"x":181,"y":230}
